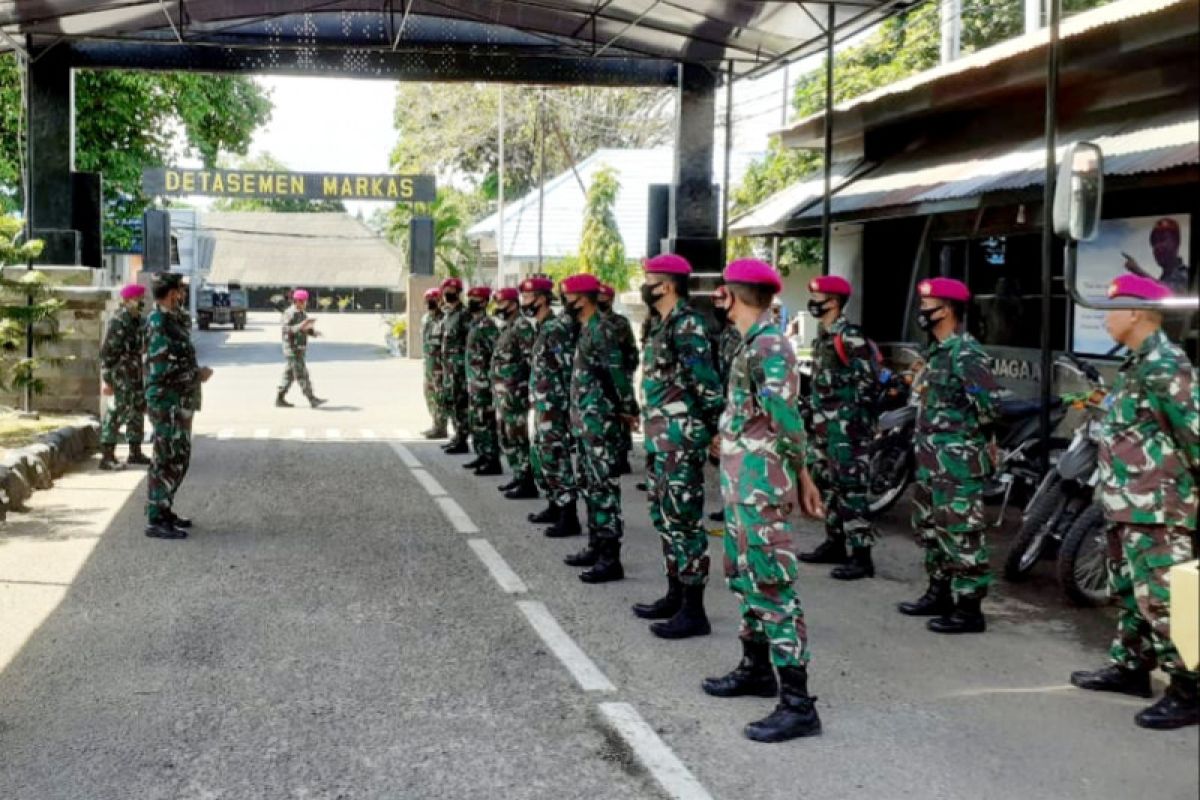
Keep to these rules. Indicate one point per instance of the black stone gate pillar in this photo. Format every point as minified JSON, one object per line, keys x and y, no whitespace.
{"x":51,"y":156}
{"x":693,"y":226}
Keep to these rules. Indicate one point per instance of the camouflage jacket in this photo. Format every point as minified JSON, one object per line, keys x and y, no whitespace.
{"x":295,"y":340}
{"x":727,"y":344}
{"x":481,"y":342}
{"x":839,"y":405}
{"x":121,"y":353}
{"x":957,"y":400}
{"x":1150,"y":442}
{"x":621,"y":330}
{"x":762,"y":430}
{"x":431,"y":335}
{"x":550,"y":368}
{"x":172,"y":374}
{"x":510,"y":361}
{"x":680,"y":385}
{"x":600,"y":385}
{"x":455,"y":326}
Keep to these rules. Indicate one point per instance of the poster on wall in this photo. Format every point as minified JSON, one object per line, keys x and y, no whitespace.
{"x":1156,"y":247}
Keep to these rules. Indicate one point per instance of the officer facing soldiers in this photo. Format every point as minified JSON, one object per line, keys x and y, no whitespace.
{"x":550,"y":366}
{"x":453,"y":396}
{"x":762,"y":450}
{"x":481,"y":342}
{"x":297,"y":329}
{"x":601,"y":398}
{"x":956,"y":391}
{"x":841,"y":427}
{"x":121,"y":375}
{"x":431,"y":346}
{"x":1149,"y":467}
{"x":510,"y":380}
{"x":173,"y":381}
{"x":622,"y":331}
{"x":682,"y":406}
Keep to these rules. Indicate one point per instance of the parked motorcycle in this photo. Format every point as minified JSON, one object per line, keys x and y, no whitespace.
{"x":892,"y":466}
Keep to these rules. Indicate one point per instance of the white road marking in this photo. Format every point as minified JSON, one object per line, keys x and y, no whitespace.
{"x":262,"y":433}
{"x":296,"y":433}
{"x":225,"y":433}
{"x":509,"y":581}
{"x":663,"y":764}
{"x":458,"y":518}
{"x":367,"y":433}
{"x":582,"y":669}
{"x":333,"y":434}
{"x":428,"y":482}
{"x":406,"y":456}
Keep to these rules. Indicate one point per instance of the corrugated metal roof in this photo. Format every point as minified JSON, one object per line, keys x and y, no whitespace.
{"x":292,"y":249}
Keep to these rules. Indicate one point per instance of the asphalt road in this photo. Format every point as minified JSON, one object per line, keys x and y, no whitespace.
{"x":331,"y":630}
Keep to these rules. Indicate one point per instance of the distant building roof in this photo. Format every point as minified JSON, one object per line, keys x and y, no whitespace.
{"x":295,"y":249}
{"x":562,"y":226}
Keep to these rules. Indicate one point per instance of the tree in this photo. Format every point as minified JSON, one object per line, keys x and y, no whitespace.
{"x":265,"y":162}
{"x":26,"y":304}
{"x":126,"y":121}
{"x":601,"y":249}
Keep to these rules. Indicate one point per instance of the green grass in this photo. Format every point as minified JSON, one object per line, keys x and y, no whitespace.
{"x":16,"y":432}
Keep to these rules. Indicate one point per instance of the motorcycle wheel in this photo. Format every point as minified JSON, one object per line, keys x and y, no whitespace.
{"x":1083,"y":560}
{"x":900,"y":476}
{"x":1026,"y":549}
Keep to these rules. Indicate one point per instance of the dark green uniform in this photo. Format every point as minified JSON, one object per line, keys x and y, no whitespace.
{"x":551,"y":363}
{"x":431,"y":350}
{"x":453,"y":396}
{"x":172,"y":397}
{"x":121,"y":368}
{"x":481,"y":341}
{"x":510,"y":380}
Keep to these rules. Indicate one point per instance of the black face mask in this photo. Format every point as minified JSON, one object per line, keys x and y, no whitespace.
{"x":721,"y":313}
{"x":475,"y":306}
{"x":530,"y":310}
{"x":432,"y":305}
{"x":451,"y":298}
{"x":506,"y":312}
{"x":818,"y":310}
{"x":605,"y":307}
{"x":925,"y":320}
{"x":574,"y":310}
{"x":648,"y":295}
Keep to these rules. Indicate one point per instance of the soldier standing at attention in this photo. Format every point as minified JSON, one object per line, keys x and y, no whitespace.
{"x":454,"y":364}
{"x":431,"y":347}
{"x":172,"y":394}
{"x":601,"y":397}
{"x":481,"y":343}
{"x":1149,"y":469}
{"x":121,"y":375}
{"x":510,"y":378}
{"x":682,"y":407}
{"x":762,"y":449}
{"x":622,"y":331}
{"x":550,"y":397}
{"x":956,"y":391}
{"x":725,"y":344}
{"x":297,"y":328}
{"x":841,"y":426}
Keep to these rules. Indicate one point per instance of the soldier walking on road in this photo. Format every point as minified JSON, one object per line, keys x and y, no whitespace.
{"x":957,"y":401}
{"x":431,"y":350}
{"x":682,"y":407}
{"x":481,"y":343}
{"x":173,"y":381}
{"x":510,"y":378}
{"x":762,"y":449}
{"x":454,"y":400}
{"x":601,"y":398}
{"x":622,"y":332}
{"x":1149,"y":471}
{"x":297,"y":329}
{"x":121,"y":375}
{"x":841,"y":426}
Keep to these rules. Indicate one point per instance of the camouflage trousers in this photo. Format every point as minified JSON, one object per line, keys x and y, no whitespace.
{"x":760,"y":568}
{"x":948,"y":522}
{"x":482,"y":412}
{"x":843,"y":474}
{"x":171,"y":458}
{"x":620,"y":441}
{"x":676,"y":481}
{"x":128,"y":411}
{"x":296,"y":371}
{"x":551,"y":460}
{"x":453,"y":398}
{"x":601,"y":490}
{"x":1139,"y":557}
{"x":512,"y":418}
{"x":433,"y":378}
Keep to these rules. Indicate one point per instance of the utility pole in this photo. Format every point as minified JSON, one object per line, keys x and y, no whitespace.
{"x":541,"y":172}
{"x":950,"y":12}
{"x":500,"y":198}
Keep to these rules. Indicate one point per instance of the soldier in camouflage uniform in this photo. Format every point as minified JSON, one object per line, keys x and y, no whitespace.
{"x":173,"y":381}
{"x":841,"y":426}
{"x":482,"y":334}
{"x":121,"y":374}
{"x":957,"y":401}
{"x":453,"y":396}
{"x":297,"y":330}
{"x":762,"y":450}
{"x":682,"y":405}
{"x":725,"y":341}
{"x":510,"y":379}
{"x":601,"y":398}
{"x":431,"y":347}
{"x":1149,"y":469}
{"x":622,"y":332}
{"x":550,"y":365}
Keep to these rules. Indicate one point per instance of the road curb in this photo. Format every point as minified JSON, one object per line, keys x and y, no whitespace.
{"x":34,"y":467}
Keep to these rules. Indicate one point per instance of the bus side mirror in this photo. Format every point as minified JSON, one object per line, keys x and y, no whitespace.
{"x":1078,"y":193}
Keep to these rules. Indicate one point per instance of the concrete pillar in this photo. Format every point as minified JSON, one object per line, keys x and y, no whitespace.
{"x":417,"y":285}
{"x":51,"y":154}
{"x":693,"y":229}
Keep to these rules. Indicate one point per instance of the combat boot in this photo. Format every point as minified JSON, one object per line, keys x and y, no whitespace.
{"x":163,"y":529}
{"x":860,"y":566}
{"x":567,"y":523}
{"x":548,"y":514}
{"x":965,"y":618}
{"x":608,"y":564}
{"x":514,"y":483}
{"x":587,"y":557}
{"x":1114,"y":678}
{"x":108,"y":458}
{"x":691,"y":619}
{"x":1179,"y":707}
{"x":830,"y":551}
{"x":752,"y":677}
{"x":936,"y":601}
{"x":474,"y":463}
{"x":315,"y":401}
{"x":717,"y":516}
{"x":664,"y":607}
{"x":490,"y":466}
{"x":176,"y":520}
{"x":795,"y":716}
{"x":525,"y":489}
{"x":281,"y":402}
{"x":435,"y":433}
{"x":622,"y":467}
{"x":457,"y":446}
